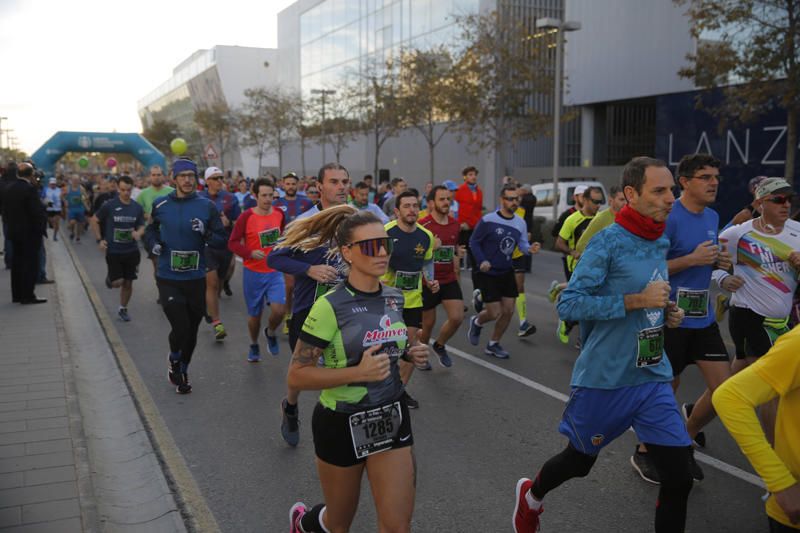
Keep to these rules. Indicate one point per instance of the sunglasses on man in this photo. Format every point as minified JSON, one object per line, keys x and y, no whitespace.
{"x":780,"y":199}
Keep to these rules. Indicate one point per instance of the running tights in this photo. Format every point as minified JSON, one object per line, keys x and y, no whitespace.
{"x":671,"y":462}
{"x":184,"y":303}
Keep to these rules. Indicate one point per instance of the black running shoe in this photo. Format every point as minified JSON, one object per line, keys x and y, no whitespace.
{"x":644,"y":466}
{"x":700,"y":438}
{"x":227,"y":288}
{"x":173,"y":370}
{"x":290,"y":424}
{"x":694,"y":468}
{"x":410,"y":402}
{"x":183,"y":385}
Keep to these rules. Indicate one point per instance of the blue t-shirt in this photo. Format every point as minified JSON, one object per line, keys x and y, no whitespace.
{"x":119,"y":221}
{"x":495,"y":238}
{"x":620,"y":348}
{"x":685,"y":230}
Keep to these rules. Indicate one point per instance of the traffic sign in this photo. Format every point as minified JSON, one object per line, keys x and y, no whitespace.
{"x":210,"y":152}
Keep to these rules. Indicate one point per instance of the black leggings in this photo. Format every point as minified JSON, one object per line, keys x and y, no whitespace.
{"x":671,"y":462}
{"x":184,"y":303}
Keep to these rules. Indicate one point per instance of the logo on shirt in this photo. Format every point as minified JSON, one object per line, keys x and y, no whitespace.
{"x":507,"y":245}
{"x":654,"y":316}
{"x":391,"y":302}
{"x":387,"y":332}
{"x":419,"y":249}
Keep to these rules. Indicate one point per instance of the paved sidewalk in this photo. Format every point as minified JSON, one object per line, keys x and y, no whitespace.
{"x":44,"y":481}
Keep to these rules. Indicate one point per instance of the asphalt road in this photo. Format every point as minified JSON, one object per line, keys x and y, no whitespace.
{"x":477,"y":431}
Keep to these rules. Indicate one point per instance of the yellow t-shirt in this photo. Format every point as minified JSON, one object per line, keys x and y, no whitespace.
{"x":571,"y":231}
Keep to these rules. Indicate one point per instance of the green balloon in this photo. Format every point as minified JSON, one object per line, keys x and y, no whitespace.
{"x":83,"y":162}
{"x":178,"y":146}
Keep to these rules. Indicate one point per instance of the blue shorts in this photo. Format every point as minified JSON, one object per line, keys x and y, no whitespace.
{"x":79,"y":215}
{"x":260,"y":287}
{"x":595,"y":417}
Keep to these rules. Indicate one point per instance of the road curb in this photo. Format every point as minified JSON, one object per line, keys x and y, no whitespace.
{"x":193,"y":507}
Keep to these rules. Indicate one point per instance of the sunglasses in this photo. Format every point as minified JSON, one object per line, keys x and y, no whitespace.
{"x":596,"y":202}
{"x":372,"y":247}
{"x":511,"y":199}
{"x":707,"y":177}
{"x":214,"y":178}
{"x":780,"y":199}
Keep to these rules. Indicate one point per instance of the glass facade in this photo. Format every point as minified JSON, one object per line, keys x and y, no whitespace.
{"x":338,"y":37}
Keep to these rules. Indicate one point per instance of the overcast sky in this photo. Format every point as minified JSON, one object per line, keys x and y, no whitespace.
{"x":81,"y":65}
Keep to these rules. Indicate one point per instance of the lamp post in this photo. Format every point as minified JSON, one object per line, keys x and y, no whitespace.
{"x":323,"y":93}
{"x":559,"y":27}
{"x":1,"y":130}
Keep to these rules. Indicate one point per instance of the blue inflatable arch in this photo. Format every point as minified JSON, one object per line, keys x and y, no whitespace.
{"x":82,"y":141}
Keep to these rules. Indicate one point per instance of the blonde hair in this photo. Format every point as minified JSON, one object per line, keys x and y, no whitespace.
{"x":331,"y":227}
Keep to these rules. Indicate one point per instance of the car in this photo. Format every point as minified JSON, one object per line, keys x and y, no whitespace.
{"x":566,"y":190}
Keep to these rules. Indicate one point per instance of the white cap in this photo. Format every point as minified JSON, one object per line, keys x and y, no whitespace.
{"x":580,"y":189}
{"x":52,"y":180}
{"x":212,"y":171}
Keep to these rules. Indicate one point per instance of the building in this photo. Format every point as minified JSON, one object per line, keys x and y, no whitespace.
{"x":218,"y":75}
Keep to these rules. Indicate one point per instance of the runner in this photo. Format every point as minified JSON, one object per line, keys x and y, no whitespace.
{"x":493,"y":242}
{"x":766,"y":253}
{"x":76,"y":200}
{"x":361,"y":421}
{"x":252,"y":239}
{"x":621,"y":378}
{"x":361,"y":201}
{"x":577,"y":204}
{"x":118,"y":226}
{"x":410,"y":268}
{"x":52,"y":198}
{"x":182,"y":224}
{"x":290,"y":203}
{"x":522,"y":262}
{"x":315,"y":272}
{"x":568,"y":237}
{"x":446,"y":258}
{"x":693,"y":253}
{"x":107,"y":190}
{"x":776,"y":376}
{"x":156,"y":189}
{"x":399,"y":185}
{"x":219,"y":260}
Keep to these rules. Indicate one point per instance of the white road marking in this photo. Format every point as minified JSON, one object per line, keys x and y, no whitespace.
{"x":701,"y":457}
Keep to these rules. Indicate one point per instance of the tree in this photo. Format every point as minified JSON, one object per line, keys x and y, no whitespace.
{"x":499,"y":71}
{"x":427,"y":98}
{"x":340,"y":123}
{"x":160,"y":134}
{"x":751,"y":49}
{"x":217,"y":122}
{"x":269,"y":117}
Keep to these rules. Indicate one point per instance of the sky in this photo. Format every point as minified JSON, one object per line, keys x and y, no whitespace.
{"x":81,"y":65}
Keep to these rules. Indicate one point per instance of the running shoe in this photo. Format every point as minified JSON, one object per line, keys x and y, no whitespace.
{"x":123,"y":314}
{"x":694,"y":468}
{"x":173,"y":369}
{"x":226,"y":286}
{"x":477,"y":301}
{"x":295,"y":515}
{"x":108,"y":283}
{"x":410,"y":402}
{"x":444,"y":357}
{"x":562,"y":332}
{"x":219,"y":331}
{"x":183,"y":385}
{"x":525,"y":519}
{"x":272,"y":342}
{"x":474,"y":331}
{"x":644,"y":466}
{"x":497,"y":351}
{"x":287,"y":324}
{"x":721,"y":306}
{"x":700,"y":438}
{"x":254,"y":355}
{"x":208,"y":318}
{"x":555,"y":290}
{"x":526,"y":329}
{"x":290,"y":424}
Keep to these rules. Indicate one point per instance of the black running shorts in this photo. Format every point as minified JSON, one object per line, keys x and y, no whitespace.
{"x":684,"y":346}
{"x":218,"y":259}
{"x":412,"y":317}
{"x":333,"y":442}
{"x":522,"y":264}
{"x":123,"y":266}
{"x":748,"y":333}
{"x":495,"y":288}
{"x":448,"y":291}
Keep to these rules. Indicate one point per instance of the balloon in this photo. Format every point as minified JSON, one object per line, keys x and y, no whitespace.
{"x":83,"y":162}
{"x":111,"y":162}
{"x":178,"y":146}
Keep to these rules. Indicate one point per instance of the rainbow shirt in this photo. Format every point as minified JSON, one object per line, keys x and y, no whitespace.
{"x":762,"y":260}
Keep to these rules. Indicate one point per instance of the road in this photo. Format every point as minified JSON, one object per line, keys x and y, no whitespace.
{"x":482,"y":424}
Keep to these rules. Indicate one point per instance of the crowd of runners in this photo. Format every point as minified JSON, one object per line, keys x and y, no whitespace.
{"x":355,"y":275}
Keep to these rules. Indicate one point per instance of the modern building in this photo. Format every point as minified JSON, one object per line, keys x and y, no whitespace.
{"x":207,"y":77}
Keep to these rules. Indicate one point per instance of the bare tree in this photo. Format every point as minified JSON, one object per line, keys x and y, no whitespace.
{"x":217,"y":122}
{"x":269,"y":119}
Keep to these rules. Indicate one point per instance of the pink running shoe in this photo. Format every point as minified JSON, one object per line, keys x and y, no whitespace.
{"x":295,"y":514}
{"x":525,"y":519}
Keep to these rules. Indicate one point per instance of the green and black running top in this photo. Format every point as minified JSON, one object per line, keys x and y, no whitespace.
{"x":344,"y":323}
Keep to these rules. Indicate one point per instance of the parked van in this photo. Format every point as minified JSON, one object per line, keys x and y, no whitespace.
{"x":566,"y":190}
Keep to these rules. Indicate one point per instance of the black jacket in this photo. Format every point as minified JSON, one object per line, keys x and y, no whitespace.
{"x":23,"y":211}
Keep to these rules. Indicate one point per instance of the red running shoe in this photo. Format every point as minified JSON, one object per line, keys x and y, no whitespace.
{"x":525,"y":519}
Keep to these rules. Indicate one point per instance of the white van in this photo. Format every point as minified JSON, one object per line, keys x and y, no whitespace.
{"x":566,"y":190}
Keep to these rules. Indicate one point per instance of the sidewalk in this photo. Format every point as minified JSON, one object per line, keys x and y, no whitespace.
{"x":44,"y":483}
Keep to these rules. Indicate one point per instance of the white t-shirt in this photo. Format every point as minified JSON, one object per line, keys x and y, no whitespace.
{"x":762,"y":260}
{"x":53,"y":195}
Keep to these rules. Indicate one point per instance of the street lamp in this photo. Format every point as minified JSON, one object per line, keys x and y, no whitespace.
{"x":323,"y":93}
{"x":1,"y":130}
{"x":559,"y":27}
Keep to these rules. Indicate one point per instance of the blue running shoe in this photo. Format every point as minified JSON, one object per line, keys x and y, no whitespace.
{"x":290,"y":423}
{"x":497,"y":351}
{"x":272,"y":342}
{"x":123,"y":314}
{"x":474,"y":331}
{"x":444,"y":357}
{"x":254,"y":356}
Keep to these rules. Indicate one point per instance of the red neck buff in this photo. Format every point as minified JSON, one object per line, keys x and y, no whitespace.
{"x":640,"y":225}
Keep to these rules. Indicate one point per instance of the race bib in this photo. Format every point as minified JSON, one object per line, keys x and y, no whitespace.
{"x":651,"y":347}
{"x":75,"y":201}
{"x":407,"y":281}
{"x":180,"y":261}
{"x":123,"y":236}
{"x":693,"y":302}
{"x":268,"y":237}
{"x":375,"y":430}
{"x":444,"y":254}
